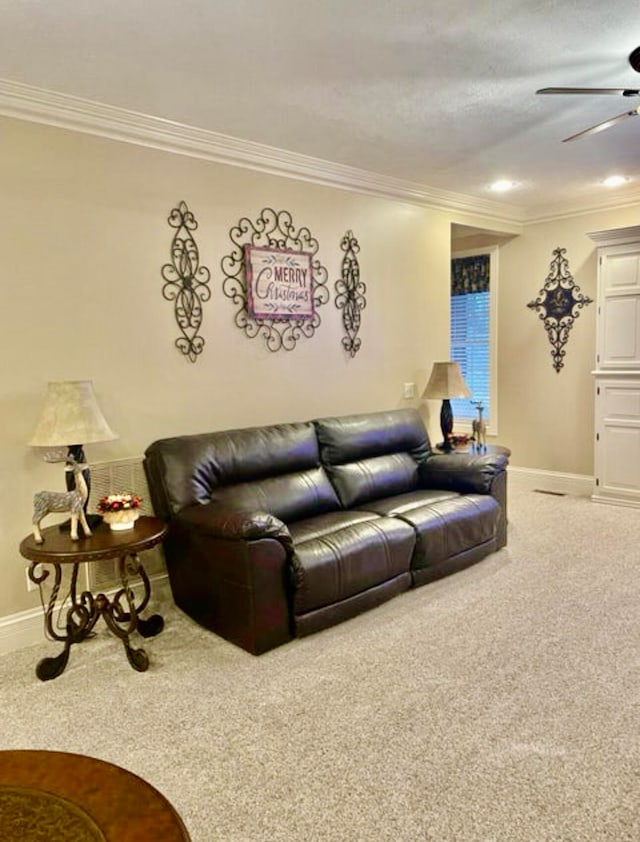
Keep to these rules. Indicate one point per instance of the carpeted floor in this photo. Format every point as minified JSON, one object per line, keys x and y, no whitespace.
{"x":501,"y":704}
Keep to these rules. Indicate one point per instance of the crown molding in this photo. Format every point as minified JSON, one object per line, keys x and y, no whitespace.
{"x":616,"y":236}
{"x":536,"y":215}
{"x":26,"y":102}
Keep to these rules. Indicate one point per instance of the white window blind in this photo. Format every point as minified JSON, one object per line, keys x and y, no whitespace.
{"x":471,"y":335}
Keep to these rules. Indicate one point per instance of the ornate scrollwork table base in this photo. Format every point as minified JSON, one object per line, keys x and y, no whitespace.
{"x":80,"y":609}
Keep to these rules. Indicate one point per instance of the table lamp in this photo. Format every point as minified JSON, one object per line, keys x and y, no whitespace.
{"x":446,"y":382}
{"x":71,"y":415}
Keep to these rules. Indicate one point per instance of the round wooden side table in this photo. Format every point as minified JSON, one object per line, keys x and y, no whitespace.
{"x":57,"y":796}
{"x":121,"y":613}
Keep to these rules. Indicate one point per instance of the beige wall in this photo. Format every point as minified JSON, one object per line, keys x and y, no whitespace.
{"x":83,"y":234}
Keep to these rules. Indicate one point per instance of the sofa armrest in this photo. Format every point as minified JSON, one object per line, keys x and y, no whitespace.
{"x":462,"y":472}
{"x":230,"y":571}
{"x":236,"y":524}
{"x":470,"y":474}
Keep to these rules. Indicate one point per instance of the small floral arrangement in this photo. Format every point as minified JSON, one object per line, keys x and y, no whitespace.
{"x":118,"y":502}
{"x":460,"y":439}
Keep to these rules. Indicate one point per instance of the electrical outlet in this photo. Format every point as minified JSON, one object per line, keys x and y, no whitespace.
{"x":409,"y":390}
{"x":31,"y":586}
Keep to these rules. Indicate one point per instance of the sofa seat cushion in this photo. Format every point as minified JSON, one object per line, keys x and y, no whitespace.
{"x":320,"y":525}
{"x":341,"y":554}
{"x":446,"y":524}
{"x":399,"y":503}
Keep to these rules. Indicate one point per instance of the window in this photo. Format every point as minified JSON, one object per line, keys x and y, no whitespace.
{"x":473,"y":332}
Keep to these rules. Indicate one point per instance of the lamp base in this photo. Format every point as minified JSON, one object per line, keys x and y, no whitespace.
{"x":446,"y":425}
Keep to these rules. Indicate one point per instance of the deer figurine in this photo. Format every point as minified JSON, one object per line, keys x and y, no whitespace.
{"x":479,"y":427}
{"x":71,"y":502}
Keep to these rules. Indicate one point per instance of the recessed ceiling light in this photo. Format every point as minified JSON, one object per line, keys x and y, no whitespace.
{"x":615,"y":180}
{"x":502,"y":185}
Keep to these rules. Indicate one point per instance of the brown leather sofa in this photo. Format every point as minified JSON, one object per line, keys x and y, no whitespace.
{"x":280,"y":531}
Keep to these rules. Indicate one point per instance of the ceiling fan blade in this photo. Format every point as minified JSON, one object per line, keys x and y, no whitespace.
{"x":614,"y":91}
{"x":600,"y":127}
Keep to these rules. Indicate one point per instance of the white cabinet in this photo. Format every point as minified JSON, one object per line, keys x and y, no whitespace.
{"x":618,"y":321}
{"x":617,"y":374}
{"x":617,"y":453}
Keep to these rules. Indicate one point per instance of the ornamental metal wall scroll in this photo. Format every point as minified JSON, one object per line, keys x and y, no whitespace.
{"x":350,"y":291}
{"x":186,"y":282}
{"x":281,"y":306}
{"x":558,"y":305}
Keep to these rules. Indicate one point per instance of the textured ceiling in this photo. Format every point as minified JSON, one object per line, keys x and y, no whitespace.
{"x":437,"y":92}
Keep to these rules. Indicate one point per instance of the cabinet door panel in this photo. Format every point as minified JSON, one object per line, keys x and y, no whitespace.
{"x":620,"y":270}
{"x":621,"y":403}
{"x":621,"y":458}
{"x":620,"y":333}
{"x":617,"y":454}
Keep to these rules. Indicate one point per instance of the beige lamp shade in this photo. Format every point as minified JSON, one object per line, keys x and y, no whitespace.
{"x":446,"y":382}
{"x":71,"y":415}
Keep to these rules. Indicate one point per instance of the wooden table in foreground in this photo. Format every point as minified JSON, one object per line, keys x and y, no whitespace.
{"x":57,"y":797}
{"x":121,"y":613}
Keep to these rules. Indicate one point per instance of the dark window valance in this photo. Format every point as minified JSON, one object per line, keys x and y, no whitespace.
{"x":470,"y":274}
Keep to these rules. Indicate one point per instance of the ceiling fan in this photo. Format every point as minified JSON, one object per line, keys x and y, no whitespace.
{"x":634,"y":61}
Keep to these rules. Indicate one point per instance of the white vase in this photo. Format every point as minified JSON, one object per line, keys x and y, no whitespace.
{"x":121,"y":520}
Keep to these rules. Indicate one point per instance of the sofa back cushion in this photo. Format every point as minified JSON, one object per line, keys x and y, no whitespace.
{"x":274,"y":469}
{"x":374,"y":455}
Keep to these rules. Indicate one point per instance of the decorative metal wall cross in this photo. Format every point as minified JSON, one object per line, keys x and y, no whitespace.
{"x":186,"y":282}
{"x":350,"y":292}
{"x":558,"y":305}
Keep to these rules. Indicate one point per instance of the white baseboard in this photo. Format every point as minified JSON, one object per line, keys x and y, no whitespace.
{"x":555,"y":482}
{"x":20,"y":630}
{"x":26,"y":628}
{"x":610,"y":500}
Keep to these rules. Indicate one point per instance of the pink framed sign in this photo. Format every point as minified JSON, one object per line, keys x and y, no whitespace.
{"x":279,"y":283}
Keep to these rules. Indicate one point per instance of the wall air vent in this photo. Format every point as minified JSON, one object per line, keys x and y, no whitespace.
{"x":120,"y":477}
{"x":553,"y":493}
